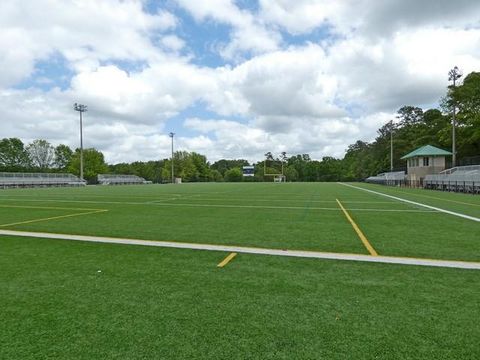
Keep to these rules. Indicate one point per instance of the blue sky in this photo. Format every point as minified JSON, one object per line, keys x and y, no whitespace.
{"x":233,"y":79}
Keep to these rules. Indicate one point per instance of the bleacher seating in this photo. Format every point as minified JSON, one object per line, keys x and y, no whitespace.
{"x":113,"y":179}
{"x":388,"y":178}
{"x":19,"y":180}
{"x":459,"y":179}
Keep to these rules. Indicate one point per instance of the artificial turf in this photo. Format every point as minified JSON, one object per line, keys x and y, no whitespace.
{"x":74,"y":300}
{"x":301,"y":216}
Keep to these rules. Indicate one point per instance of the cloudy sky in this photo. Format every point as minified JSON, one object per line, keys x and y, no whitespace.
{"x":233,"y":79}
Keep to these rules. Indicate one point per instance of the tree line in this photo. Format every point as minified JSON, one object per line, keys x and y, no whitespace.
{"x":412,"y":128}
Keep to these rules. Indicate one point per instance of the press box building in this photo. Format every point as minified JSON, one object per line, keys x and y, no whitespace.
{"x":426,"y":160}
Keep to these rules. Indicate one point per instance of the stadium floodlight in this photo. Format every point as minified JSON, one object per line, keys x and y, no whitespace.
{"x":81,"y":109}
{"x":454,"y":75}
{"x":172,"y":134}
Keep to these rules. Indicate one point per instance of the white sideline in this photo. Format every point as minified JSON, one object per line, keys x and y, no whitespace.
{"x":415,"y":203}
{"x":252,"y":250}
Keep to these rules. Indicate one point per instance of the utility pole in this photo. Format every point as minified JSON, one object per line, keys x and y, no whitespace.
{"x":172,"y":134}
{"x":81,"y":109}
{"x":454,"y":75}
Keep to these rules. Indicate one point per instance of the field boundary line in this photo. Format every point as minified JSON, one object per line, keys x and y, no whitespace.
{"x":437,"y":198}
{"x":359,"y":232}
{"x":227,"y":260}
{"x":228,"y":206}
{"x":252,"y":250}
{"x":47,"y":208}
{"x":159,"y":203}
{"x":52,"y":218}
{"x":468,"y":217}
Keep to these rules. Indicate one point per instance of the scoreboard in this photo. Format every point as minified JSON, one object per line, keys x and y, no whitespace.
{"x":249,"y":171}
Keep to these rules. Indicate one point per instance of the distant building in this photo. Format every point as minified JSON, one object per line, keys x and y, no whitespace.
{"x":425,"y":160}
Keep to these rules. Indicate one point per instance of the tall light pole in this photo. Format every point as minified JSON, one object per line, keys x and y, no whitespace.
{"x":172,"y":134}
{"x":81,"y":109}
{"x":454,"y":75}
{"x":391,"y":145}
{"x":283,"y":156}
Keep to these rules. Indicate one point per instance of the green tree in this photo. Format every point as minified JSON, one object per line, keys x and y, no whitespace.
{"x":299,"y":163}
{"x":234,"y":175}
{"x":224,"y":164}
{"x":291,"y":173}
{"x":13,"y":156}
{"x":63,"y":156}
{"x":165,"y":172}
{"x":93,"y":164}
{"x":42,"y":154}
{"x":467,"y":99}
{"x":201,"y":166}
{"x":215,"y":175}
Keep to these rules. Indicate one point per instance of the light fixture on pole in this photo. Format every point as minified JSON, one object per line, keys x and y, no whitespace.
{"x":454,"y":75}
{"x":81,"y":109}
{"x":172,"y":134}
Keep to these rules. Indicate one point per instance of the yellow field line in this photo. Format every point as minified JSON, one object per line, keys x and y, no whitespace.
{"x":227,"y":260}
{"x":47,"y":208}
{"x":359,"y":232}
{"x":52,"y":218}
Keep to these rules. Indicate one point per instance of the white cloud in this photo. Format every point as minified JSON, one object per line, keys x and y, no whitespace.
{"x":301,"y":16}
{"x":84,"y":32}
{"x":312,"y":97}
{"x":408,"y":68}
{"x":317,"y":137}
{"x":248,"y":33}
{"x":288,"y":83}
{"x":173,"y":42}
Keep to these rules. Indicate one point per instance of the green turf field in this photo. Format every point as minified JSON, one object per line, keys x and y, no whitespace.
{"x":63,"y":299}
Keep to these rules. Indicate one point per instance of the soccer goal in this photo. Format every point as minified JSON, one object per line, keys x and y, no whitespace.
{"x":279,"y":178}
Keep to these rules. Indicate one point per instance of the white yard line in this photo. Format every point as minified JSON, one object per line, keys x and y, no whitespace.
{"x":161,"y":203}
{"x":250,"y":200}
{"x":253,"y":250}
{"x":280,"y":207}
{"x":468,"y":217}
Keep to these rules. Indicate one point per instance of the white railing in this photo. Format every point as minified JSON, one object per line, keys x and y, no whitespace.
{"x":460,"y":168}
{"x":387,"y":177}
{"x":459,"y":179}
{"x":11,"y":179}
{"x":113,"y":179}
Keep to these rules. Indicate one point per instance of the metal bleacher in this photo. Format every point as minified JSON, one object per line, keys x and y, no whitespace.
{"x":113,"y":179}
{"x":24,"y":180}
{"x":464,"y":179}
{"x":389,"y":178}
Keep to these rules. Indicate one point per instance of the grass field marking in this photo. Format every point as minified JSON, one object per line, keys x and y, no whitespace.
{"x":227,"y":260}
{"x":468,"y":217}
{"x":393,"y":210}
{"x":159,"y":200}
{"x":434,"y":197}
{"x":160,"y":203}
{"x":79,"y":201}
{"x":252,"y":250}
{"x":250,"y":199}
{"x":359,"y":232}
{"x":47,"y":208}
{"x":52,"y":218}
{"x":281,"y":207}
